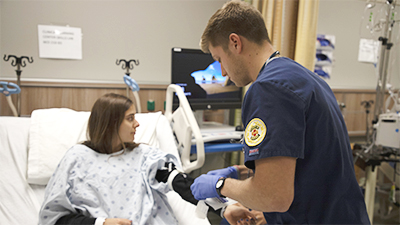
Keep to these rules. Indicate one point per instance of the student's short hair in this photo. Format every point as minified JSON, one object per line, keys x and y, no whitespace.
{"x":234,"y":17}
{"x":106,"y":117}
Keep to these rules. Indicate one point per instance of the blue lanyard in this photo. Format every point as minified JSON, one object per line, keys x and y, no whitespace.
{"x":272,"y":56}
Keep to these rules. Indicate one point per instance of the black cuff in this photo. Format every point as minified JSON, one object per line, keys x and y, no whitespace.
{"x":163,"y":173}
{"x":76,"y":219}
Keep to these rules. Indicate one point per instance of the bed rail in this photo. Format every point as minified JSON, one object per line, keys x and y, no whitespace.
{"x":184,"y":126}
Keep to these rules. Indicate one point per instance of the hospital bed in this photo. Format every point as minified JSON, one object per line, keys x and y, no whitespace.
{"x":30,"y":149}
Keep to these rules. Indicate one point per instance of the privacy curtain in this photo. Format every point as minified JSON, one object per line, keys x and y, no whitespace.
{"x":292,"y":27}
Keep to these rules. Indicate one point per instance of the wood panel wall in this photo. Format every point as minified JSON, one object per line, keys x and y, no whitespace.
{"x":354,"y":113}
{"x":81,"y":96}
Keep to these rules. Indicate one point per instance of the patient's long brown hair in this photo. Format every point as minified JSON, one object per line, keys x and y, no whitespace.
{"x":106,"y":117}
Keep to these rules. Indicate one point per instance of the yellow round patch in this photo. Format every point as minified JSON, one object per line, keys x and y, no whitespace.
{"x":255,"y":132}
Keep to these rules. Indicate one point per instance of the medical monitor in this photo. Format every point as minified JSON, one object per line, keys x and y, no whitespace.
{"x":200,"y":77}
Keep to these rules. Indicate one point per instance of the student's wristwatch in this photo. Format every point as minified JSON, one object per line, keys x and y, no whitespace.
{"x":218,"y":186}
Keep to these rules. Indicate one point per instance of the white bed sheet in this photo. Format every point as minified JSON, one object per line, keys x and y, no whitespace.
{"x":19,"y":204}
{"x":20,"y":201}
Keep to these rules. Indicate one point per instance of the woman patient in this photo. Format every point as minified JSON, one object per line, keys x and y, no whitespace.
{"x":109,"y":179}
{"x":109,"y":176}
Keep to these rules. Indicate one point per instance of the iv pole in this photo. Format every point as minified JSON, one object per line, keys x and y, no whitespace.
{"x":128,"y":65}
{"x":18,"y":62}
{"x":384,"y":60}
{"x":131,"y":83}
{"x":386,"y":45}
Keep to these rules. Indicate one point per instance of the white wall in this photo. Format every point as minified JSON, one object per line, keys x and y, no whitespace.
{"x":148,"y":29}
{"x":130,"y":29}
{"x":342,"y":18}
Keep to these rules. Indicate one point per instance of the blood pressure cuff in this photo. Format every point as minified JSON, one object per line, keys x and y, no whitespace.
{"x":179,"y":182}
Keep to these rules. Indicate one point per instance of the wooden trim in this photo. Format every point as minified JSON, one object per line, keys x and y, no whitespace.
{"x":113,"y":85}
{"x":89,"y":85}
{"x":78,"y":96}
{"x":360,"y":133}
{"x":372,"y":91}
{"x":364,"y":91}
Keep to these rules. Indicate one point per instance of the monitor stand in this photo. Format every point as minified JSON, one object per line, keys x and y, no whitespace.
{"x":215,"y":131}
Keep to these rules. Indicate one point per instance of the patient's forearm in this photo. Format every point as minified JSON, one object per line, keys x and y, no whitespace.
{"x":79,"y":219}
{"x":75,"y":219}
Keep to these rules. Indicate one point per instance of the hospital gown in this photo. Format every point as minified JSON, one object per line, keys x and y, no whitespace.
{"x":111,"y":186}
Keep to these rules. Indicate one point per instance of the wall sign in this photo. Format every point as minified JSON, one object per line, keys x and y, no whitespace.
{"x":60,"y":42}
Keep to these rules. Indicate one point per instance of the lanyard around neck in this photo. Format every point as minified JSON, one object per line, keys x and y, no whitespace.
{"x":269,"y":59}
{"x":273,"y":55}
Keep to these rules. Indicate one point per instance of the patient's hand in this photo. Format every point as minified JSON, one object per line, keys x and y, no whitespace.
{"x":238,"y":214}
{"x":117,"y":221}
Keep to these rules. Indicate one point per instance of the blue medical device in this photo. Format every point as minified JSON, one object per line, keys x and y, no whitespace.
{"x":9,"y":91}
{"x":132,"y":84}
{"x":8,"y":88}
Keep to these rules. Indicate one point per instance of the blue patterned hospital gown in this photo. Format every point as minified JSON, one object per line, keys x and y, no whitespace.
{"x":111,"y":186}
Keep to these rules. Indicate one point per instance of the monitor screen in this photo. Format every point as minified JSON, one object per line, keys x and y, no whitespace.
{"x":202,"y":82}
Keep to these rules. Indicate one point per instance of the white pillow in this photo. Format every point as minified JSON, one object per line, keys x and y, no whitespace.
{"x":52,"y":133}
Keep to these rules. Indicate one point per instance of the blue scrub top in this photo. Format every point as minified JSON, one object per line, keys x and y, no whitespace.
{"x":290,"y":111}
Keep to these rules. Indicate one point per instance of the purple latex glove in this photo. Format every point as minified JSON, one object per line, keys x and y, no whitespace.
{"x":204,"y":187}
{"x":230,"y":172}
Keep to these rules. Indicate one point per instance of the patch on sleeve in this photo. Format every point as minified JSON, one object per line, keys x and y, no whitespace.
{"x":255,"y":132}
{"x":253,"y":152}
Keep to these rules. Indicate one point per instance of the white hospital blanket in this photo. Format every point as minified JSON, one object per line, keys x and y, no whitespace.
{"x":121,"y":186}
